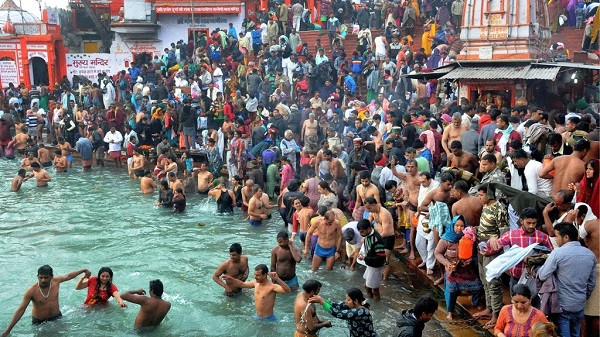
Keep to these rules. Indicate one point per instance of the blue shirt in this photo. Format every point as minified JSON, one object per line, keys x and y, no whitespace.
{"x":350,"y":83}
{"x":575,"y":269}
{"x":84,"y":147}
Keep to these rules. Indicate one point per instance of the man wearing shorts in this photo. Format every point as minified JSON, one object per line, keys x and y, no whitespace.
{"x":373,"y":253}
{"x":384,"y":225}
{"x":328,"y":243}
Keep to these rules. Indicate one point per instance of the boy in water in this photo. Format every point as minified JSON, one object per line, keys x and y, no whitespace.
{"x":284,"y":258}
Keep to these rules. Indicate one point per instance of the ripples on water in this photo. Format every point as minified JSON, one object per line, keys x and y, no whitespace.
{"x":91,"y":220}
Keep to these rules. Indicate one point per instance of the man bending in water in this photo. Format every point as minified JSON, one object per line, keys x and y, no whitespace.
{"x":44,"y":295}
{"x":41,"y":176}
{"x":153,"y":309}
{"x":236,"y":267}
{"x":265,"y":291}
{"x":18,"y":181}
{"x":307,"y":322}
{"x":283,"y":260}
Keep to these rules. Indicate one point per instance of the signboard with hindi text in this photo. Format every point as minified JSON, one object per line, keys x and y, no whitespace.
{"x":90,"y":65}
{"x":8,"y":73}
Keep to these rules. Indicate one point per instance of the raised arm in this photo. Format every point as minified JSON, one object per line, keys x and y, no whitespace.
{"x":72,"y":275}
{"x":280,"y":286}
{"x":135,"y":296}
{"x":82,"y":283}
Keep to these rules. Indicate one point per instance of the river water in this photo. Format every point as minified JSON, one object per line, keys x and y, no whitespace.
{"x":96,"y":219}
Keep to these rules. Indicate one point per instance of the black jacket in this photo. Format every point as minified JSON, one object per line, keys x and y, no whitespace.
{"x":408,"y":325}
{"x":375,"y":257}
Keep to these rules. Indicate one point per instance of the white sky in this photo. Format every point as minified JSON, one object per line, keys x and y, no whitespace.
{"x":33,"y":6}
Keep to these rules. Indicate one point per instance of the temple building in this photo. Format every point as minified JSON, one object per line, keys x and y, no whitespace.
{"x":31,"y":51}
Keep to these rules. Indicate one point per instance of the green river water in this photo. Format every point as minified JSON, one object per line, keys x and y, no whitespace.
{"x":96,"y":219}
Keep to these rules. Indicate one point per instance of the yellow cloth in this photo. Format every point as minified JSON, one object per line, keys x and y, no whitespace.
{"x":427,"y":39}
{"x":592,"y":305}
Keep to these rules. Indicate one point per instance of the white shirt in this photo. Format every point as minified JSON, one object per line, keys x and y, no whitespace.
{"x":536,"y":185}
{"x":116,"y":139}
{"x":357,"y":236}
{"x":386,"y":174}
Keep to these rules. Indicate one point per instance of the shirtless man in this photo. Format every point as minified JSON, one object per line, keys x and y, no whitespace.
{"x":60,"y":162}
{"x":18,"y":180}
{"x":309,"y":131}
{"x":307,"y":322}
{"x":20,"y":140}
{"x":590,"y":233}
{"x":303,"y":215}
{"x":329,"y":242}
{"x":336,"y":169}
{"x":257,"y":207}
{"x":411,"y":179}
{"x":153,"y":309}
{"x":137,"y":163}
{"x":384,"y":225}
{"x":147,"y":184}
{"x":44,"y":295}
{"x":247,"y":194}
{"x":265,"y":291}
{"x":27,"y":161}
{"x":174,"y":183}
{"x":205,"y":178}
{"x":236,"y":267}
{"x":283,"y":260}
{"x":42,"y":178}
{"x":467,"y":206}
{"x":452,"y":132}
{"x":365,"y":190}
{"x":567,"y":169}
{"x":461,"y":159}
{"x":44,"y":156}
{"x":66,"y":150}
{"x":490,"y":148}
{"x":321,"y":161}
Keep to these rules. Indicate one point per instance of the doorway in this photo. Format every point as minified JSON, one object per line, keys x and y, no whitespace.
{"x":142,"y":58}
{"x":38,"y":70}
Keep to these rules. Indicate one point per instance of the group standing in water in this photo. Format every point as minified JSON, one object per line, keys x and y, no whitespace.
{"x":44,"y":296}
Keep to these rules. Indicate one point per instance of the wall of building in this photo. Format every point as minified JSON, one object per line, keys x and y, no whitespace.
{"x":174,"y":27}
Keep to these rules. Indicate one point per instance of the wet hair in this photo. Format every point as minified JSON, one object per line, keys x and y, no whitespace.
{"x":235,"y":248}
{"x":567,"y":229}
{"x":108,"y":283}
{"x":22,"y":172}
{"x":262,"y":268}
{"x":164,"y":184}
{"x":490,"y":158}
{"x":446,"y":176}
{"x":390,"y":184}
{"x":171,"y":175}
{"x":370,"y":201}
{"x":156,"y":286}
{"x":456,"y":144}
{"x":365,"y":175}
{"x":255,"y":188}
{"x":581,"y":145}
{"x":325,"y":185}
{"x":45,"y":270}
{"x":311,"y":286}
{"x":521,"y":289}
{"x":304,"y":201}
{"x":283,"y":235}
{"x":425,"y":305}
{"x":462,"y":185}
{"x":363,"y":224}
{"x":57,"y":151}
{"x":35,"y":165}
{"x":528,"y":213}
{"x":356,"y":294}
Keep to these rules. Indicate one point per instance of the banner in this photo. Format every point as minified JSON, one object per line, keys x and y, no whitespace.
{"x":8,"y":73}
{"x":90,"y":65}
{"x":198,"y":9}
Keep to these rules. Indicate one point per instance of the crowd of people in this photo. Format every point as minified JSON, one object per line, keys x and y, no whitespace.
{"x":489,"y":196}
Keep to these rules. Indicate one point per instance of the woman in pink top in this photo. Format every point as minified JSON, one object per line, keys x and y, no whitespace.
{"x":287,"y":173}
{"x":310,"y":188}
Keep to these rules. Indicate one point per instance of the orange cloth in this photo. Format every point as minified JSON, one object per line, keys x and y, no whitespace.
{"x":507,"y":325}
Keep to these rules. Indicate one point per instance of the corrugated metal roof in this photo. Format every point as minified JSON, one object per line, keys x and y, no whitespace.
{"x":487,"y":73}
{"x":545,"y":73}
{"x":571,"y":65}
{"x":502,"y":73}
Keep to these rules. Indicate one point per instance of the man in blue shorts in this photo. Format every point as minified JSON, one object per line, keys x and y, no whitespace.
{"x":284,"y":258}
{"x":329,"y":242}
